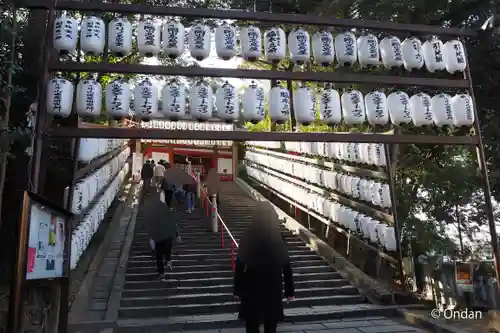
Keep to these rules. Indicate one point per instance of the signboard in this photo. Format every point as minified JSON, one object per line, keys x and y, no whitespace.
{"x":186,"y":125}
{"x":46,"y":239}
{"x":463,"y":276}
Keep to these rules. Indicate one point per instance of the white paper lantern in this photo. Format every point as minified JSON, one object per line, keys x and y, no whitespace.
{"x":353,"y":107}
{"x":299,"y":47}
{"x":323,"y":48}
{"x":200,"y":41}
{"x":365,"y":226}
{"x":279,"y":104}
{"x":372,"y":227}
{"x":390,"y":239}
{"x":441,"y":110}
{"x":87,"y":150}
{"x":376,"y":108}
{"x":148,"y":38}
{"x":330,"y":110}
{"x":120,"y":37}
{"x":59,"y":97}
{"x":173,"y":100}
{"x":421,"y":109}
{"x":379,"y":232}
{"x":275,"y":45}
{"x":434,"y":55}
{"x":251,"y":43}
{"x":413,"y":57}
{"x":88,"y":98}
{"x":454,"y":56}
{"x":201,"y":101}
{"x":346,"y":49}
{"x":227,"y":102}
{"x":304,"y":105}
{"x":145,"y":100}
{"x":462,"y":110}
{"x":391,"y":52}
{"x":253,"y":103}
{"x":378,"y":154}
{"x":92,"y":34}
{"x":368,"y":51}
{"x":398,"y":105}
{"x":225,"y":42}
{"x":385,"y":196}
{"x":118,"y":96}
{"x":173,"y":39}
{"x":65,"y":36}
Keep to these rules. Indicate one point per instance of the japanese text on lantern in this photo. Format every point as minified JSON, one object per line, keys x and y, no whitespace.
{"x":259,"y":97}
{"x":274,"y":41}
{"x":89,"y":96}
{"x":116,"y":91}
{"x":149,"y":34}
{"x":416,"y":48}
{"x":468,"y":108}
{"x":396,"y":50}
{"x":253,"y":40}
{"x":438,"y":54}
{"x":372,"y":48}
{"x":326,"y":100}
{"x":349,"y":45}
{"x":172,"y":33}
{"x":229,"y":42}
{"x":146,"y":95}
{"x":302,"y":43}
{"x":447,"y":109}
{"x":97,"y":29}
{"x":89,"y":29}
{"x":459,"y":54}
{"x":427,"y":105}
{"x":202,"y":106}
{"x":199,"y":37}
{"x":120,"y":27}
{"x":285,"y":102}
{"x":356,"y":101}
{"x":405,"y":101}
{"x":326,"y":45}
{"x":58,"y":30}
{"x":379,"y":110}
{"x":229,"y":99}
{"x":175,"y":94}
{"x":312,"y":98}
{"x":56,"y":99}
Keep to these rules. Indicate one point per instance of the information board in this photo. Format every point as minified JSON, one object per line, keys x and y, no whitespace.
{"x":45,"y":253}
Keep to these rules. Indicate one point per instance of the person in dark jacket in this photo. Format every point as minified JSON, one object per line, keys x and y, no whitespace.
{"x":262,"y":264}
{"x":147,"y":174}
{"x":190,"y":190}
{"x":169,"y":189}
{"x":162,"y":229}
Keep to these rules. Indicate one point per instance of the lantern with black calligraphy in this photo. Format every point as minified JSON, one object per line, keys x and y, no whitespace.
{"x":173,"y":100}
{"x":421,"y":109}
{"x":199,"y":41}
{"x":376,"y":108}
{"x":201,"y":101}
{"x":251,"y":43}
{"x":227,"y":102}
{"x":59,"y":97}
{"x":454,"y":56}
{"x":92,"y":34}
{"x":346,"y":49}
{"x":299,"y":47}
{"x":148,"y":38}
{"x":462,"y":110}
{"x":253,"y":103}
{"x":304,"y":105}
{"x":145,"y":100}
{"x":391,"y":52}
{"x":441,"y":110}
{"x":434,"y":55}
{"x":225,"y":42}
{"x":368,"y":51}
{"x":118,"y":96}
{"x":372,"y":230}
{"x":173,"y":39}
{"x":398,"y":105}
{"x":65,"y":34}
{"x":323,"y":49}
{"x":330,"y":110}
{"x":379,"y":231}
{"x":275,"y":44}
{"x":120,"y":37}
{"x":413,"y":57}
{"x":353,"y":107}
{"x":88,"y":98}
{"x":279,"y":104}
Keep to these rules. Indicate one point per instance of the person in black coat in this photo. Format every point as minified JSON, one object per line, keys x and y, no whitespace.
{"x":261,"y":267}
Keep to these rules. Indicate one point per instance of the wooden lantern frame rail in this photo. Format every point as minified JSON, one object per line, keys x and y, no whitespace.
{"x":49,"y":65}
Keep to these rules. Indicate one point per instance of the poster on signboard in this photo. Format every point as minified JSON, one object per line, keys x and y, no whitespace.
{"x":45,"y":243}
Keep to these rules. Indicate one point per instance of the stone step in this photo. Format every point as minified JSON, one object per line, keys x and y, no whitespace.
{"x":216,"y":281}
{"x":176,"y":275}
{"x":335,"y":287}
{"x":151,"y":268}
{"x":162,"y":308}
{"x":214,"y":246}
{"x":230,"y":320}
{"x":178,"y":264}
{"x":218,"y":256}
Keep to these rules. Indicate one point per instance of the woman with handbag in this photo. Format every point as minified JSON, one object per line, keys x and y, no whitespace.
{"x":262,"y":264}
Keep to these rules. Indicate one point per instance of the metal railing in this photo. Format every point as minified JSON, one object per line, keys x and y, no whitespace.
{"x":210,"y":207}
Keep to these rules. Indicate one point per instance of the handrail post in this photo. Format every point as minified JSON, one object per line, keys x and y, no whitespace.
{"x":215,"y":220}
{"x":199,"y":193}
{"x":232,"y":257}
{"x":221,"y":234}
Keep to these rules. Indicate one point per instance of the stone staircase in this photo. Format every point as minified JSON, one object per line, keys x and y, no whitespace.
{"x":198,"y":294}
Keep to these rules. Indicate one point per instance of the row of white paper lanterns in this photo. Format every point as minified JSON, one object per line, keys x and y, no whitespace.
{"x":88,"y":187}
{"x":324,"y":48}
{"x":89,"y":225}
{"x":351,"y":107}
{"x":367,"y":227}
{"x":91,"y":149}
{"x":367,"y":190}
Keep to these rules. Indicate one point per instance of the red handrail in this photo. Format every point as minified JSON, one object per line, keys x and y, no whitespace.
{"x":206,"y":203}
